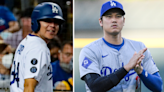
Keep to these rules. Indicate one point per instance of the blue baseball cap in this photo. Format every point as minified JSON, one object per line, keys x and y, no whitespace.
{"x":110,"y":5}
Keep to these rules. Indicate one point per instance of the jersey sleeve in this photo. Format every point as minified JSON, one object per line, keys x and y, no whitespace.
{"x":148,"y":62}
{"x":88,"y":62}
{"x":35,"y":64}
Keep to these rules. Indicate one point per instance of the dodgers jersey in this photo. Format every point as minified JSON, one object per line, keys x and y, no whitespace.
{"x":97,"y":57}
{"x":32,"y":60}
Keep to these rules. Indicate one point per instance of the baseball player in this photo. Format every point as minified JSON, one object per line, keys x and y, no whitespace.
{"x":31,"y":69}
{"x":116,"y":64}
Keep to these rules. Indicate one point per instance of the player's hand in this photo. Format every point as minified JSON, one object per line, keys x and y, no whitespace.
{"x":138,"y":68}
{"x":136,"y":59}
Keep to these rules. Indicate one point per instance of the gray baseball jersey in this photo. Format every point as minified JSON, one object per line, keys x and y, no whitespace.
{"x":97,"y":57}
{"x":32,"y":60}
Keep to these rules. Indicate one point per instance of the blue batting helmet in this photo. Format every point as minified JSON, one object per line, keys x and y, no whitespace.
{"x":46,"y":10}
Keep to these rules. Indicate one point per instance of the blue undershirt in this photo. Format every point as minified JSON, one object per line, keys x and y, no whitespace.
{"x":32,"y":35}
{"x":152,"y":81}
{"x":117,"y":47}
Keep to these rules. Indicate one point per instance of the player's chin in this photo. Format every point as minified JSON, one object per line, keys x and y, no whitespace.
{"x":50,"y":36}
{"x":114,"y":33}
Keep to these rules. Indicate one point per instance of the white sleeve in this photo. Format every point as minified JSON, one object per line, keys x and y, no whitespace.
{"x":148,"y":63}
{"x":35,"y":64}
{"x":88,"y":62}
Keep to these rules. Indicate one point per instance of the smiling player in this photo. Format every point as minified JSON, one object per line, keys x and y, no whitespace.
{"x":31,"y":70}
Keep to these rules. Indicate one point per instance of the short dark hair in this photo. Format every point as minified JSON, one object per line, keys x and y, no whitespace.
{"x":55,"y":42}
{"x":66,"y":42}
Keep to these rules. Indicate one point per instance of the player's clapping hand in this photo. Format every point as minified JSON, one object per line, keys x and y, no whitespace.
{"x":138,"y":68}
{"x":135,"y":60}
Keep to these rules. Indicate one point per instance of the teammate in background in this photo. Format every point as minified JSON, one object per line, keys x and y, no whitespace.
{"x":108,"y":64}
{"x":8,"y":23}
{"x":25,"y":22}
{"x":31,"y":70}
{"x":63,"y":68}
{"x":6,"y":57}
{"x":54,"y":45}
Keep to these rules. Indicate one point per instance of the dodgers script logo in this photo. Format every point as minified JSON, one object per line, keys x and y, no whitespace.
{"x":106,"y":70}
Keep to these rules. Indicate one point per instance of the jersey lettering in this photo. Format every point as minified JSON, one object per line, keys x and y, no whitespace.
{"x":21,"y":47}
{"x":50,"y":72}
{"x":15,"y":75}
{"x":106,"y":70}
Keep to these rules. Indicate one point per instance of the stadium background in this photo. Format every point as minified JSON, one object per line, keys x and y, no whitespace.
{"x":143,"y":22}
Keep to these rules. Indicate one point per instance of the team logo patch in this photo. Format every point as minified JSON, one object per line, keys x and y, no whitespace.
{"x":112,"y":3}
{"x":55,"y":9}
{"x":33,"y":69}
{"x":34,"y":61}
{"x":86,"y":62}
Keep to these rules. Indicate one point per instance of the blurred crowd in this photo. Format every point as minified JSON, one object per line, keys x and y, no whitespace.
{"x":13,"y":31}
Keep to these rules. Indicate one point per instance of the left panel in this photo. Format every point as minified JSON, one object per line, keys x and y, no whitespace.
{"x":36,"y":45}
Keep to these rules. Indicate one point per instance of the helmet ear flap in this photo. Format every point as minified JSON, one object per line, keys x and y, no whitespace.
{"x":38,"y":28}
{"x":35,"y":26}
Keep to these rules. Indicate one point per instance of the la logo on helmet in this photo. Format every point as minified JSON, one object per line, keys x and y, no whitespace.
{"x":112,"y":3}
{"x":54,"y":9}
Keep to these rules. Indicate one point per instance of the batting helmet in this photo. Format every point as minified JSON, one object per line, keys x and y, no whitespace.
{"x":46,"y":10}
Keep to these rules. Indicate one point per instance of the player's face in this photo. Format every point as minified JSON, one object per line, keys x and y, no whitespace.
{"x":112,"y":23}
{"x":66,"y":54}
{"x":48,"y":29}
{"x":54,"y":54}
{"x":26,"y":25}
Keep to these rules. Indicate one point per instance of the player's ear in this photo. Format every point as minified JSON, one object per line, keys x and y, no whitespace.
{"x":123,"y":20}
{"x":100,"y":22}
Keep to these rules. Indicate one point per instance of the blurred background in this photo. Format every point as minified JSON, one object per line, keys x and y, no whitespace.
{"x":143,"y":22}
{"x":15,"y":24}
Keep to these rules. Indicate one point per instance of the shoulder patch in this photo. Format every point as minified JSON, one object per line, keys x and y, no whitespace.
{"x":86,"y":62}
{"x":33,"y":69}
{"x":34,"y":61}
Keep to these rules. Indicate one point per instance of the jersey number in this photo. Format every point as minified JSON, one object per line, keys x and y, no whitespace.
{"x":49,"y":73}
{"x":15,"y":75}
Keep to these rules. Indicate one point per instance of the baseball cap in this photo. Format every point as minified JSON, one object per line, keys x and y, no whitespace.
{"x":110,"y":5}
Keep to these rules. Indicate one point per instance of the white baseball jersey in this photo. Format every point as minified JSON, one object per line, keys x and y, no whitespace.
{"x":97,"y":57}
{"x":32,"y":60}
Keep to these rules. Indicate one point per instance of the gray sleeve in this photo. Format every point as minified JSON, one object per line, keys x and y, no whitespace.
{"x":88,"y":62}
{"x":148,"y":62}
